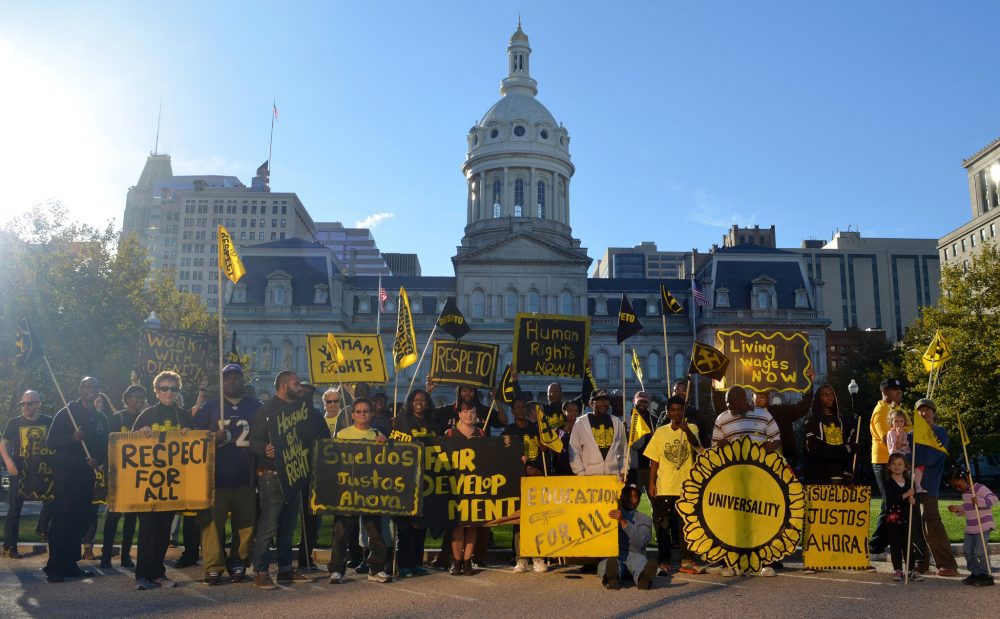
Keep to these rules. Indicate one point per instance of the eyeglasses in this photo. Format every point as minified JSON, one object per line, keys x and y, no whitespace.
{"x":31,"y":403}
{"x":173,"y":388}
{"x":332,"y":401}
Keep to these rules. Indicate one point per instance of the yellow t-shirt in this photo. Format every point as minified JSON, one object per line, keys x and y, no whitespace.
{"x":880,"y":426}
{"x":674,"y":455}
{"x":351,"y":433}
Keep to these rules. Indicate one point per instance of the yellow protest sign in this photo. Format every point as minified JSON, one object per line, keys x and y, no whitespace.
{"x":937,"y":353}
{"x":166,"y":472}
{"x":742,"y":505}
{"x":836,"y":535}
{"x":364,"y":359}
{"x":568,"y":516}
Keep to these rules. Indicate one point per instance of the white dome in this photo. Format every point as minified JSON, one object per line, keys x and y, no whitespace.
{"x":518,"y":107}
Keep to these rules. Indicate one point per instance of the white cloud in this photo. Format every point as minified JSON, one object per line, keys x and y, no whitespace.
{"x":373,"y":220}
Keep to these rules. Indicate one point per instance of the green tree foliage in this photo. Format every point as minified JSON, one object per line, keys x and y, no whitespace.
{"x":87,"y":293}
{"x":869,"y":359}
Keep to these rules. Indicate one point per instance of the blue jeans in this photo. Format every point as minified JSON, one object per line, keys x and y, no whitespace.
{"x":975,"y":558}
{"x":276,"y":517}
{"x":634,"y":563}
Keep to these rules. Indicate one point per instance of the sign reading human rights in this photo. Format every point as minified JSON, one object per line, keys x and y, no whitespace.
{"x":837,"y":521}
{"x":742,"y":505}
{"x":466,"y":363}
{"x":551,"y":345}
{"x":364,"y":360}
{"x":362,"y":477}
{"x":168,"y":471}
{"x":568,"y":516}
{"x":770,"y":361}
{"x":468,"y":481}
{"x":36,"y":473}
{"x":184,"y":352}
{"x":291,"y":435}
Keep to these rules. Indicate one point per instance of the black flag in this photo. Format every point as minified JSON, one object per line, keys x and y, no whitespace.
{"x":233,"y":356}
{"x":509,"y":389}
{"x":451,"y":320}
{"x":589,"y":384}
{"x":28,"y":344}
{"x":708,"y":361}
{"x":628,"y":322}
{"x":670,"y":304}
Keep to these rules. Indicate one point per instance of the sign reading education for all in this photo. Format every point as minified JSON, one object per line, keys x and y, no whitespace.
{"x":772,"y":361}
{"x":551,"y":345}
{"x":836,"y":535}
{"x":466,"y":363}
{"x":568,"y":516}
{"x":168,"y":471}
{"x":471,"y":480}
{"x":364,"y":360}
{"x":362,"y":477}
{"x":184,"y":352}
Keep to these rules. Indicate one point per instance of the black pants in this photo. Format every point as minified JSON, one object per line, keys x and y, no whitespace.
{"x":71,"y":509}
{"x":346,"y":527}
{"x":410,"y":543}
{"x":309,"y":533}
{"x":15,"y":504}
{"x":897,"y":543}
{"x":668,"y":530}
{"x":154,"y":539}
{"x":192,"y":538}
{"x":111,"y":520}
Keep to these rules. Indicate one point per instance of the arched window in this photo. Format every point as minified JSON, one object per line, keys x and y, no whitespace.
{"x":534,"y":302}
{"x":566,"y":302}
{"x":601,"y":365}
{"x":265,"y":355}
{"x":679,"y":369}
{"x":496,"y":199}
{"x":287,"y":356}
{"x":478,"y":304}
{"x":518,"y":196}
{"x":518,"y":211}
{"x":541,"y":199}
{"x":653,"y":365}
{"x":763,"y":300}
{"x":510,"y":304}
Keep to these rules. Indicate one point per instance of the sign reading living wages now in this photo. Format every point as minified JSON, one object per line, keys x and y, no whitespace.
{"x":466,"y":363}
{"x":836,"y":535}
{"x":471,"y":480}
{"x":568,"y":516}
{"x":551,"y":345}
{"x":363,"y":477}
{"x":364,"y":360}
{"x":770,"y":361}
{"x":184,"y":352}
{"x":168,"y":471}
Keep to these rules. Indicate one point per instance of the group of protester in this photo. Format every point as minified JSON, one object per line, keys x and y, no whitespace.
{"x":250,"y":498}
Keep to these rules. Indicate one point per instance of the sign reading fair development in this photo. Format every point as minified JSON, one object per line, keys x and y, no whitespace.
{"x":183,"y":352}
{"x":551,"y":345}
{"x":36,"y":473}
{"x":364,"y":363}
{"x":770,"y":361}
{"x":568,"y":516}
{"x":466,"y":363}
{"x":168,"y":471}
{"x":742,"y":505}
{"x":836,"y":535}
{"x":471,"y":480}
{"x":362,"y":477}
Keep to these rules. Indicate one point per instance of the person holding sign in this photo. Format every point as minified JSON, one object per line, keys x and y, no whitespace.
{"x":635,"y":531}
{"x":597,"y":444}
{"x":414,"y":423}
{"x":899,"y":497}
{"x":830,"y":441}
{"x":154,"y":527}
{"x":134,"y":400}
{"x":18,"y":437}
{"x":463,"y":538}
{"x":447,"y":416}
{"x":528,"y":433}
{"x":977,"y":507}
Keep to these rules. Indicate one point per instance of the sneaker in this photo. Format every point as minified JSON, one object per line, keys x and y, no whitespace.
{"x":727,"y":571}
{"x":290,"y":577}
{"x":916,"y":576}
{"x":768,"y":572}
{"x":456,"y":568}
{"x":478,"y":564}
{"x":336,"y":578}
{"x":969,"y":579}
{"x":539,"y":565}
{"x":262,"y":581}
{"x":645,"y":580}
{"x":185,"y":562}
{"x":127,"y":561}
{"x":238,"y":574}
{"x":808,"y":570}
{"x":521,"y":567}
{"x":299,"y":577}
{"x":362,"y":568}
{"x":663,"y":570}
{"x":11,"y":553}
{"x":691,"y":568}
{"x":983,"y":581}
{"x":947,"y":572}
{"x":213,"y":578}
{"x":611,"y":575}
{"x":467,"y":568}
{"x":420,"y":570}
{"x":380,"y":577}
{"x":164,"y":582}
{"x":440,"y":562}
{"x":141,"y":584}
{"x":898,"y":575}
{"x":404,"y":572}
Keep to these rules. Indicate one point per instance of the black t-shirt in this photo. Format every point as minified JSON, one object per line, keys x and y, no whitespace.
{"x":21,"y":432}
{"x":163,"y":418}
{"x":532,"y":443}
{"x":603,"y":430}
{"x":123,"y":420}
{"x":408,"y":425}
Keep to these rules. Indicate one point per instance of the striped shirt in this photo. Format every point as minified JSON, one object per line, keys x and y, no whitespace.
{"x":757,"y":423}
{"x":987,"y":499}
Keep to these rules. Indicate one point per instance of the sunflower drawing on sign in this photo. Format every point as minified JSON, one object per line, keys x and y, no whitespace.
{"x":742,"y":505}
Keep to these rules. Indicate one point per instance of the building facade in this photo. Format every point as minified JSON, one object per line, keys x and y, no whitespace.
{"x":642,"y":261}
{"x":354,"y":248}
{"x":983,"y":170}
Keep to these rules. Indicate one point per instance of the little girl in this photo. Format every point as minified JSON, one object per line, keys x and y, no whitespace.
{"x":897,"y":442}
{"x":898,"y":499}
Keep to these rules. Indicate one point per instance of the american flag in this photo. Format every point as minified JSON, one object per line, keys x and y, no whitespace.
{"x":699,"y":296}
{"x":383,"y":296}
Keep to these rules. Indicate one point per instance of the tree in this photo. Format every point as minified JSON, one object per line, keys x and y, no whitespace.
{"x":87,"y":294}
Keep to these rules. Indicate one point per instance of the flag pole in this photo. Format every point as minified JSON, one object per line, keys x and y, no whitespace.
{"x":270,"y":142}
{"x":222,"y":404}
{"x":65,"y":404}
{"x":972,"y":489}
{"x":430,"y":338}
{"x":486,"y":424}
{"x":666,"y":351}
{"x":378,"y":315}
{"x":913,"y":467}
{"x":628,"y":448}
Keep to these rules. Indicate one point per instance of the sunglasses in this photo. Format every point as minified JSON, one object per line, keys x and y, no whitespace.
{"x":332,"y":401}
{"x":174,"y":389}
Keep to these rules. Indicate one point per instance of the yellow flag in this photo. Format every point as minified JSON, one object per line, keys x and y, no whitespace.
{"x":547,"y":436}
{"x":638,"y":428}
{"x":961,"y":430}
{"x":229,"y":260}
{"x":404,"y":349}
{"x":637,"y":367}
{"x":937,"y":353}
{"x":334,"y":349}
{"x":924,"y":435}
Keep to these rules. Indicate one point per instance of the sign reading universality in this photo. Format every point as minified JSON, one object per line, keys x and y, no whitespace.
{"x":465,"y":363}
{"x":770,"y":361}
{"x":551,"y":345}
{"x":568,"y":516}
{"x":36,"y":473}
{"x":184,"y":352}
{"x":836,"y":535}
{"x":468,"y":481}
{"x":742,"y":505}
{"x":168,"y":471}
{"x":364,"y":360}
{"x":362,"y":477}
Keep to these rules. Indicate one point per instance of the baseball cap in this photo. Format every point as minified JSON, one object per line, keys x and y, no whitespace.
{"x":599,"y":394}
{"x":929,"y":403}
{"x":233,"y":368}
{"x":891,"y":383}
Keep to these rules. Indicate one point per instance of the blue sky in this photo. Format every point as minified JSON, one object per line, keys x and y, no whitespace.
{"x":689,"y":116}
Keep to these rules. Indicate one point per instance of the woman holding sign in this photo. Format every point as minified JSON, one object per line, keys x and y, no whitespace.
{"x":414,"y":423}
{"x":463,"y":537}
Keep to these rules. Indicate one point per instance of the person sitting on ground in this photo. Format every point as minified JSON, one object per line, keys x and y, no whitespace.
{"x":635,"y":529}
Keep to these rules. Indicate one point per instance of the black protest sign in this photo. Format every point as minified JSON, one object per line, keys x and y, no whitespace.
{"x":451,"y":320}
{"x":547,"y":345}
{"x":708,"y":361}
{"x":466,"y":363}
{"x":363,"y":477}
{"x":628,"y":322}
{"x":184,"y":352}
{"x":100,"y":487}
{"x":775,"y":361}
{"x":469,"y":481}
{"x":36,"y":472}
{"x":508,"y":386}
{"x":292,"y":435}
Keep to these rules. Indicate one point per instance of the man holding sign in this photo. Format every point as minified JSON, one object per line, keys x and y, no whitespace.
{"x":18,"y":438}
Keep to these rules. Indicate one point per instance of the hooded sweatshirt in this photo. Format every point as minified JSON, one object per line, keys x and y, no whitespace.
{"x":829,"y":443}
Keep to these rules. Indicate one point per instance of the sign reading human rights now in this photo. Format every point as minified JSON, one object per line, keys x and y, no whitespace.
{"x":775,"y":361}
{"x":167,"y":471}
{"x":568,"y":516}
{"x":551,"y":345}
{"x":364,"y":359}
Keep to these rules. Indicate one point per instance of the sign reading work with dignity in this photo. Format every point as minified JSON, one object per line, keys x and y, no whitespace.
{"x":769,"y":361}
{"x":168,"y":471}
{"x":363,"y":477}
{"x":551,"y":345}
{"x":836,"y":533}
{"x":465,"y":363}
{"x":364,"y":360}
{"x":469,"y":481}
{"x":184,"y":352}
{"x":568,"y":516}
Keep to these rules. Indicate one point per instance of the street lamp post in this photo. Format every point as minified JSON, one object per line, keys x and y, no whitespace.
{"x":852,"y":388}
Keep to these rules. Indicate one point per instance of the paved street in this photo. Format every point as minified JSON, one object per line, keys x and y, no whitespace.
{"x":493,"y":592}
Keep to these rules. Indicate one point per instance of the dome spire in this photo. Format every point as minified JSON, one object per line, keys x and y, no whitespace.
{"x":518,"y":78}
